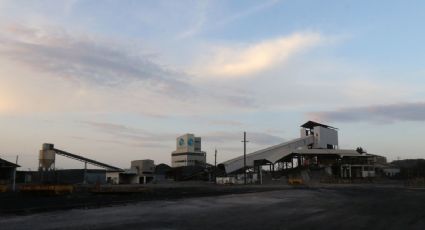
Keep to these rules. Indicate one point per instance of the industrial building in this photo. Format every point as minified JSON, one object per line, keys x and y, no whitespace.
{"x":63,"y":176}
{"x":7,"y":172}
{"x":188,"y":152}
{"x":48,"y":174}
{"x":163,"y":172}
{"x":391,"y":170}
{"x":140,"y":172}
{"x":47,"y":158}
{"x":317,"y":147}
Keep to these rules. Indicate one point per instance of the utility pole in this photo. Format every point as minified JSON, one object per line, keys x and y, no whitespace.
{"x":244,"y":155}
{"x":215,"y":166}
{"x":215,"y":159}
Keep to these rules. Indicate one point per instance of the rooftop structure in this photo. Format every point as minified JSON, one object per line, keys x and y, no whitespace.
{"x":312,"y":124}
{"x":188,"y":152}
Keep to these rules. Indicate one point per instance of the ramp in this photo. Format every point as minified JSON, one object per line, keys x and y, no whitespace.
{"x":271,"y":154}
{"x":47,"y":158}
{"x":86,"y":160}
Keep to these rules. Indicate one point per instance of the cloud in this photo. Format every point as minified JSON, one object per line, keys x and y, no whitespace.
{"x":197,"y":13}
{"x":257,"y":138}
{"x":89,"y":74}
{"x":225,"y":123}
{"x":253,"y":58}
{"x":142,"y":138}
{"x":86,"y":59}
{"x":249,"y":11}
{"x":114,"y":128}
{"x":86,"y":73}
{"x":199,"y":19}
{"x":376,"y":113}
{"x":129,"y":136}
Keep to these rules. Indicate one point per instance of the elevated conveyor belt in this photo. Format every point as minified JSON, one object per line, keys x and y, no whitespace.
{"x":271,"y":154}
{"x":83,"y":159}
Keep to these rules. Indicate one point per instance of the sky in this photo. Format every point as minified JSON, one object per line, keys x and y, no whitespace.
{"x":118,"y":81}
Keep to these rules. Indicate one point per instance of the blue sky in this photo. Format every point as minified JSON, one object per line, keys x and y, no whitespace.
{"x":119,"y":80}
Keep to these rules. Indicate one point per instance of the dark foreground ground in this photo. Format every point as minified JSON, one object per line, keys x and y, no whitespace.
{"x":330,"y":207}
{"x":26,"y":204}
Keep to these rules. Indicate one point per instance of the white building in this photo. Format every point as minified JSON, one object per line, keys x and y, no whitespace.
{"x":188,"y":152}
{"x":145,"y":170}
{"x":141,"y":172}
{"x":325,"y":137}
{"x":391,"y":171}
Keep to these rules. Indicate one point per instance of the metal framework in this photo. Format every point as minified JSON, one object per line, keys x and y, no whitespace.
{"x":271,"y":154}
{"x":86,"y":160}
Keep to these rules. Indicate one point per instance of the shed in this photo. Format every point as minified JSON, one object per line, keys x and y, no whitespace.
{"x":7,"y":170}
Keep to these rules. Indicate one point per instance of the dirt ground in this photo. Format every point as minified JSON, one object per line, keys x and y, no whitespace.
{"x":327,"y":207}
{"x":25,"y":204}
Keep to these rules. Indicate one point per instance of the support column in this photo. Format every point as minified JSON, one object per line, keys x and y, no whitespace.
{"x":14,"y":176}
{"x":215,"y":166}
{"x":14,"y":180}
{"x":261,"y":174}
{"x":349,"y":167}
{"x":298,"y":161}
{"x":85,"y":172}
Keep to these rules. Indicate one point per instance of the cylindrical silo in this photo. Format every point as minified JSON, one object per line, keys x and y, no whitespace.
{"x":46,"y":157}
